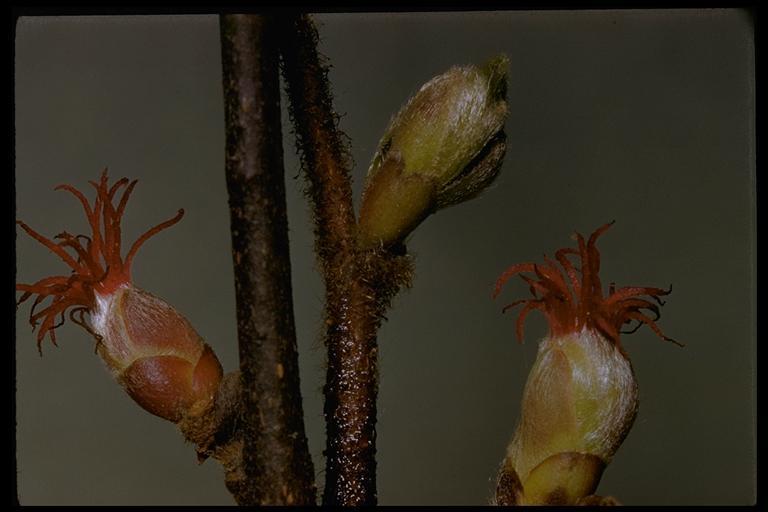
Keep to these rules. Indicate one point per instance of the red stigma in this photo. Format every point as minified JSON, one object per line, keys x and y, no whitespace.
{"x":96,"y":262}
{"x":569,"y":310}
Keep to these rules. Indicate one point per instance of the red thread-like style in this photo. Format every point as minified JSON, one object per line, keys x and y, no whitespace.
{"x":96,"y":261}
{"x":570,"y":309}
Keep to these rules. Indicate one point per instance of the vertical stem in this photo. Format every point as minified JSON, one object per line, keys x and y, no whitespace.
{"x":276,"y":460}
{"x":351,"y":315}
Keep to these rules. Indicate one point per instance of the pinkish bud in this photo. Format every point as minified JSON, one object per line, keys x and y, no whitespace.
{"x":164,"y":365}
{"x":162,"y":362}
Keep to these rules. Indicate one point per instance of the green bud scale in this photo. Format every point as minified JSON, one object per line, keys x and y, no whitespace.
{"x":443,"y":147}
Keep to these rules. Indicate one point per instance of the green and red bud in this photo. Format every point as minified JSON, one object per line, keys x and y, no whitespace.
{"x":443,"y":147}
{"x":152,"y":350}
{"x":580,"y":399}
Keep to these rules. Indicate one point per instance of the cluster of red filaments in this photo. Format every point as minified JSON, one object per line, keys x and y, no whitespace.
{"x":583,"y":305}
{"x":96,"y":262}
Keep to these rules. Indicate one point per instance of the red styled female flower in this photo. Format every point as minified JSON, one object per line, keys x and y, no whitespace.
{"x":580,"y":399}
{"x":150,"y":347}
{"x":585,"y":307}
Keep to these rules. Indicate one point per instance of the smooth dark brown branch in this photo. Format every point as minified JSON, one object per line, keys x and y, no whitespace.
{"x":351,"y":314}
{"x":277,"y":465}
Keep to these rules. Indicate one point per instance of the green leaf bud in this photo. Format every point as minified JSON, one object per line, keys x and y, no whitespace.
{"x":443,"y":147}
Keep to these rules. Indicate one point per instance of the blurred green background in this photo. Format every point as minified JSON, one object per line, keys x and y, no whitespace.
{"x":645,"y":117}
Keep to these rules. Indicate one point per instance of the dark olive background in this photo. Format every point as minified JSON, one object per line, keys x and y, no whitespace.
{"x":645,"y":117}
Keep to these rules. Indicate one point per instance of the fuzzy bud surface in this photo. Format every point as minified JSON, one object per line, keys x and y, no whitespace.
{"x":443,"y":147}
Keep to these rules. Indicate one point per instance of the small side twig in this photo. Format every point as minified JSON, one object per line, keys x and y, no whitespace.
{"x":214,"y":429}
{"x":276,"y":462}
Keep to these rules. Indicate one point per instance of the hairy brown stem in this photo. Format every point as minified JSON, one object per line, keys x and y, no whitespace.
{"x":351,"y":317}
{"x":277,"y":466}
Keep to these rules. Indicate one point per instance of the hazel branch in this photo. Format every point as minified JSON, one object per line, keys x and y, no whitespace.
{"x":277,"y":467}
{"x":350,"y":313}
